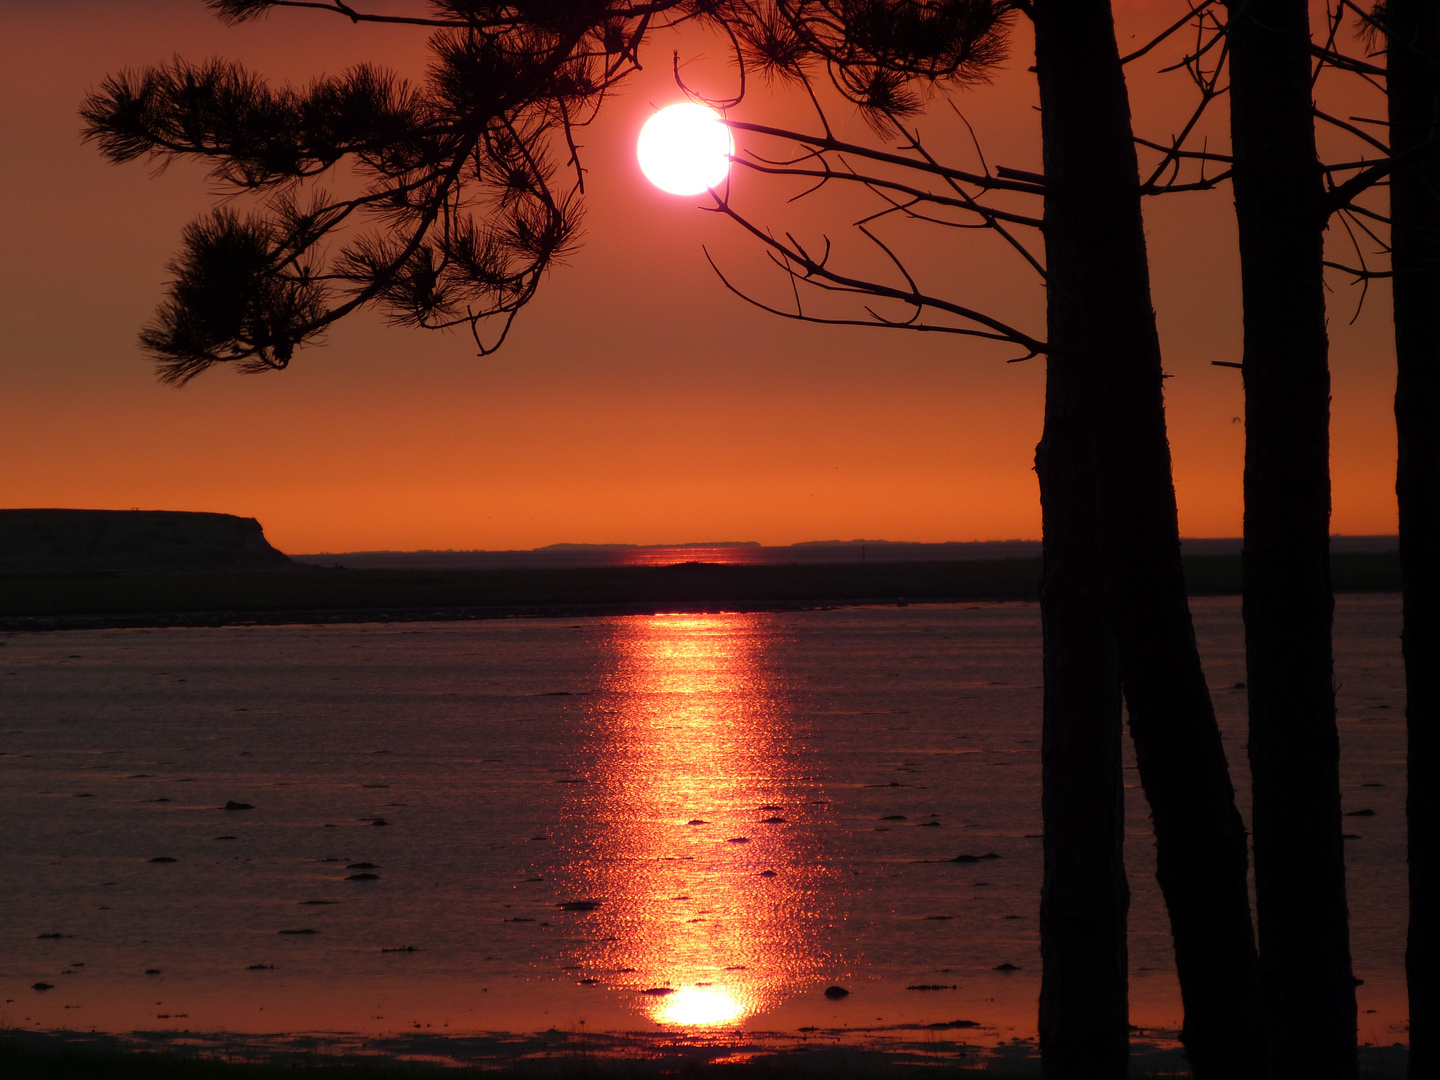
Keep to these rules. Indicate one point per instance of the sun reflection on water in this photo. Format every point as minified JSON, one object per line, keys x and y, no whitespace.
{"x":701,"y":1006}
{"x":690,"y":834}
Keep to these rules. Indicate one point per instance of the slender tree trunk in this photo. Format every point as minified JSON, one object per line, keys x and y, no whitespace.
{"x":1305,"y":967}
{"x":1414,"y":85}
{"x":1102,"y":334}
{"x":1084,"y":998}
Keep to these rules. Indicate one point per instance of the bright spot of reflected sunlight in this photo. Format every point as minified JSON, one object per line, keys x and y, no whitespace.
{"x":700,"y":1006}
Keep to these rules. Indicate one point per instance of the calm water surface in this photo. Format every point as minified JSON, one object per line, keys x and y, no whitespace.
{"x":681,"y":822}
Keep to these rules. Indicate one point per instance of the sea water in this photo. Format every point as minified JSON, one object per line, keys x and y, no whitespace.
{"x":683,"y":825}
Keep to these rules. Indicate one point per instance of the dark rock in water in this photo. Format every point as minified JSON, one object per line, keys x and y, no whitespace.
{"x":659,"y":991}
{"x":42,"y":986}
{"x":588,"y":982}
{"x":363,"y":877}
{"x":579,"y":905}
{"x":52,"y":937}
{"x":1361,"y":813}
{"x":224,"y":838}
{"x":767,"y":873}
{"x":952,"y":1025}
{"x":738,"y":840}
{"x":310,"y":903}
{"x":152,"y":971}
{"x":773,"y":821}
{"x":361,"y":866}
{"x":233,"y":805}
{"x":1005,"y":967}
{"x":403,"y":948}
{"x":261,"y":967}
{"x":975,"y":858}
{"x":835,"y":993}
{"x":928,"y":825}
{"x":292,"y":933}
{"x":130,"y":541}
{"x":697,"y":821}
{"x":933,"y":986}
{"x":894,"y":817}
{"x":379,"y":821}
{"x":164,"y":858}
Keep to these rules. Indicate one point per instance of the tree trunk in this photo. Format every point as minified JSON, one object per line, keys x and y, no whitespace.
{"x":1084,"y":999}
{"x":1414,"y":85}
{"x":1306,"y":976}
{"x":1102,"y":335}
{"x":1084,"y":901}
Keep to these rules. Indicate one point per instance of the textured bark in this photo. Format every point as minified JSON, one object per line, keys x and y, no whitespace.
{"x":1414,"y":85}
{"x":1305,"y":965}
{"x":1103,"y":337}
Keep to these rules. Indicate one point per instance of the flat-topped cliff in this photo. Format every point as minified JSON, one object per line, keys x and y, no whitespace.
{"x":133,"y":541}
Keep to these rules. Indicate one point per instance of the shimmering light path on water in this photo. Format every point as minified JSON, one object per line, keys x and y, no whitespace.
{"x":687,"y":823}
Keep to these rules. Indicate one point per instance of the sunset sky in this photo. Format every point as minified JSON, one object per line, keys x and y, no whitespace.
{"x":636,"y":400}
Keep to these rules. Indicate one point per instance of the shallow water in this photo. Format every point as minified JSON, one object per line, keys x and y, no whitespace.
{"x":683,"y":823}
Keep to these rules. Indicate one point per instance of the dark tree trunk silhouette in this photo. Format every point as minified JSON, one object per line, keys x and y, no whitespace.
{"x":1084,"y":1022}
{"x":1413,"y":27}
{"x":1309,"y":991}
{"x":1084,"y":1001}
{"x":1105,"y":362}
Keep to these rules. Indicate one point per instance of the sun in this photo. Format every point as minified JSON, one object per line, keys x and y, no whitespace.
{"x":685,"y":149}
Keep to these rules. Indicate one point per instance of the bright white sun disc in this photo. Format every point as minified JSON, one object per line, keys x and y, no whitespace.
{"x":684,"y":149}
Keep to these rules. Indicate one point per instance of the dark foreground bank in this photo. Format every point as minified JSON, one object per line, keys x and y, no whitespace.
{"x":310,"y":594}
{"x":19,"y":1062}
{"x":40,"y":1057}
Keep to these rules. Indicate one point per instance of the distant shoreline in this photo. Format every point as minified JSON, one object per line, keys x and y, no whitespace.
{"x":748,"y":552}
{"x":307,"y":594}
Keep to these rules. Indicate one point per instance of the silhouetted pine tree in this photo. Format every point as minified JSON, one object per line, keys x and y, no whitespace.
{"x":1280,"y":203}
{"x":1413,"y":83}
{"x":1106,"y":392}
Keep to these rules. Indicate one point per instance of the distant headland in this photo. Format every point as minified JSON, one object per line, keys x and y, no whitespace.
{"x":131,"y":541}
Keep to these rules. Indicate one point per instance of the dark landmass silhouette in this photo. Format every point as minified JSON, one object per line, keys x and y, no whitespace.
{"x":312,"y":594}
{"x":92,"y":568}
{"x":131,"y":541}
{"x":574,"y":556}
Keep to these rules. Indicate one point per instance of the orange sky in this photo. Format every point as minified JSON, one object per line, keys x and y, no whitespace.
{"x":636,"y":400}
